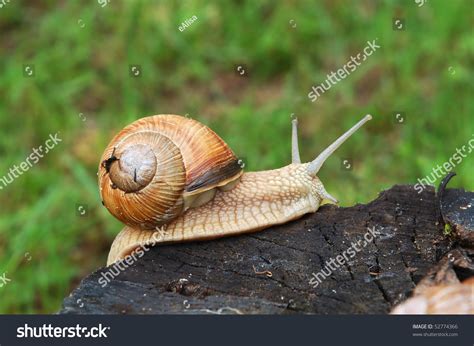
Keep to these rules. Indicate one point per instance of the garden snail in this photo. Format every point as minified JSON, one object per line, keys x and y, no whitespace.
{"x":444,"y":299}
{"x":172,"y":179}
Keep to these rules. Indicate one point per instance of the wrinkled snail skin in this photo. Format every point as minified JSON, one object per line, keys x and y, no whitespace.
{"x":259,"y":200}
{"x":172,"y":179}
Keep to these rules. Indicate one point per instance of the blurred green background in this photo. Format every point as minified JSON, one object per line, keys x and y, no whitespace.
{"x":82,"y":87}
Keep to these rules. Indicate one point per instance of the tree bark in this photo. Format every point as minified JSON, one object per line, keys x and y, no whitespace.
{"x":271,"y":271}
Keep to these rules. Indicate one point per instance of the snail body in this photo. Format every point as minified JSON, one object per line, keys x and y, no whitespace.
{"x":219,"y":202}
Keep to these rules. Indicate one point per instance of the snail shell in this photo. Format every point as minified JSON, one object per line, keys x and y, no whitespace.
{"x":158,"y":167}
{"x":457,"y":298}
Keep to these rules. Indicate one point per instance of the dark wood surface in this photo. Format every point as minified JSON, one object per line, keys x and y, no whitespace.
{"x":269,"y":272}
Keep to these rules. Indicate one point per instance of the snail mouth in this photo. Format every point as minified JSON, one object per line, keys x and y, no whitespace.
{"x":132,"y":168}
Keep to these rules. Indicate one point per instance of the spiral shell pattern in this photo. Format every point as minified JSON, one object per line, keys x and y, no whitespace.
{"x":157,"y":167}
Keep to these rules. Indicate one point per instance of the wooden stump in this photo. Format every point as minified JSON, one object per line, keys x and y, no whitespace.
{"x":271,"y":271}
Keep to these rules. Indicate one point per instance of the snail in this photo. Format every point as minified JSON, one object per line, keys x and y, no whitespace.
{"x":443,"y":299}
{"x":170,"y":178}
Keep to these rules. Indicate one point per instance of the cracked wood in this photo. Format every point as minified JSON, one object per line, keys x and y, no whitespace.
{"x":220,"y":276}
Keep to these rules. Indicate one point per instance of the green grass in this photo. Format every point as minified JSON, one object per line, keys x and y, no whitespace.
{"x":46,"y":248}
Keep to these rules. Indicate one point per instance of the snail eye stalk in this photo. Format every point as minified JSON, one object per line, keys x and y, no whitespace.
{"x":316,"y":164}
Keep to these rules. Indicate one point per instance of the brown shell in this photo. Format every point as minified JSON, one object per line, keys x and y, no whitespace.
{"x":159,"y":166}
{"x":446,"y":299}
